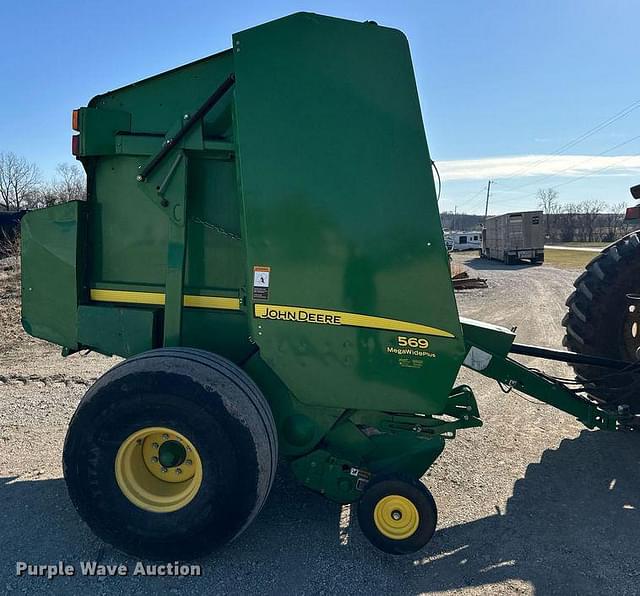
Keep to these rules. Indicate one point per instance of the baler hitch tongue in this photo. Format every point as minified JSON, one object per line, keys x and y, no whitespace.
{"x":489,"y":347}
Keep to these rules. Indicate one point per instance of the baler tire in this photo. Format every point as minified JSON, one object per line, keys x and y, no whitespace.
{"x":208,"y":403}
{"x":385,"y":493}
{"x":597,"y":315}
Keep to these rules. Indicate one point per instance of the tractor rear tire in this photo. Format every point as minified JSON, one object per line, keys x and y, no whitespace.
{"x":171,"y":454}
{"x":601,"y":321}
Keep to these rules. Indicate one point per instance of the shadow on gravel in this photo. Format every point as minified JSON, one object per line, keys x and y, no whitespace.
{"x":479,"y":264}
{"x":572,"y":525}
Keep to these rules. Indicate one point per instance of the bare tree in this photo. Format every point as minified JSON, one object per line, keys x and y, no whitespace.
{"x":613,"y":222}
{"x":460,"y":221}
{"x":589,"y":213}
{"x":69,"y":184}
{"x":73,"y":182}
{"x":548,"y":202}
{"x":567,"y":222}
{"x":19,"y":181}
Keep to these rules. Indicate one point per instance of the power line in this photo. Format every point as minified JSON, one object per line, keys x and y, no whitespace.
{"x":597,"y":128}
{"x":626,"y":158}
{"x":621,"y":114}
{"x":473,"y":197}
{"x":571,"y":167}
{"x":615,"y":163}
{"x":476,"y":196}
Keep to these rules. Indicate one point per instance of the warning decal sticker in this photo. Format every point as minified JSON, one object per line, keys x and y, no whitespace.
{"x":261,"y":283}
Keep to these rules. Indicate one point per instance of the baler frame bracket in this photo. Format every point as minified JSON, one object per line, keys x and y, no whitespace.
{"x":462,"y":402}
{"x":167,"y":188}
{"x":461,"y":407}
{"x":187,"y":124}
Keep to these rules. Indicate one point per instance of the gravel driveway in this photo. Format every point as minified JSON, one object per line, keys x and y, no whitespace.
{"x":529,"y":503}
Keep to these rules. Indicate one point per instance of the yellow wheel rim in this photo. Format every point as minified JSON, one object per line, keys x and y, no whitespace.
{"x":158,"y":469}
{"x":396,"y":517}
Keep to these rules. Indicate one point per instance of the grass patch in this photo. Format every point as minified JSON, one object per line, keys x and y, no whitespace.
{"x":567,"y":259}
{"x":582,"y":244}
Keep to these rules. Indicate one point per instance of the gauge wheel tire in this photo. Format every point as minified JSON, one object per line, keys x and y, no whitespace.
{"x":409,"y":500}
{"x":602,"y":322}
{"x":219,"y":435}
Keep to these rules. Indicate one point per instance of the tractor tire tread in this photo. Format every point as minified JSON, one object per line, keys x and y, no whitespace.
{"x":590,"y":322}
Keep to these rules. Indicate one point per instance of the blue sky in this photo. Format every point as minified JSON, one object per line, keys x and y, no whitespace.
{"x":503,"y":85}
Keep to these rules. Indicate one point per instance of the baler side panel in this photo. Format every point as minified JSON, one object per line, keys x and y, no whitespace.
{"x":128,"y":233}
{"x":339,"y":202}
{"x":51,"y":272}
{"x":157,"y":102}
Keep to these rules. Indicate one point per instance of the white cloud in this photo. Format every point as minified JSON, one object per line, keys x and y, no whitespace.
{"x":524,"y":166}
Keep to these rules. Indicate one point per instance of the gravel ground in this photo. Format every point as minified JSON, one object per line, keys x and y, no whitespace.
{"x":530,"y":503}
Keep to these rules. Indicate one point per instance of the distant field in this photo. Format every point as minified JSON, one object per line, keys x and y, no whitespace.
{"x":568,"y":259}
{"x":582,"y":244}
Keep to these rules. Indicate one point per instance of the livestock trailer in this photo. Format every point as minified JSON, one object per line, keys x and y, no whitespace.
{"x":514,"y":236}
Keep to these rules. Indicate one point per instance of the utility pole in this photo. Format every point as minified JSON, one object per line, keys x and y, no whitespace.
{"x":453,"y":223}
{"x":486,"y":206}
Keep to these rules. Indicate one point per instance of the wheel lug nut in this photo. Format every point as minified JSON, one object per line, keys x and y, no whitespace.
{"x":188,"y":462}
{"x":155,"y":445}
{"x":178,"y":471}
{"x":163,"y":470}
{"x":165,"y":437}
{"x":154,"y":459}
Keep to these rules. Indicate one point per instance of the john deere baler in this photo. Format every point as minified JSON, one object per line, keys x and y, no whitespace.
{"x":261,"y":242}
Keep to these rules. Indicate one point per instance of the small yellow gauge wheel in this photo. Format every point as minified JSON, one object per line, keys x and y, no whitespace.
{"x":158,"y":469}
{"x":398,"y":515}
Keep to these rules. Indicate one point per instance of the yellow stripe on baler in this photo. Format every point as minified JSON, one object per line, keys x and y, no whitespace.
{"x":335,"y":317}
{"x":220,"y":302}
{"x":157,"y":298}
